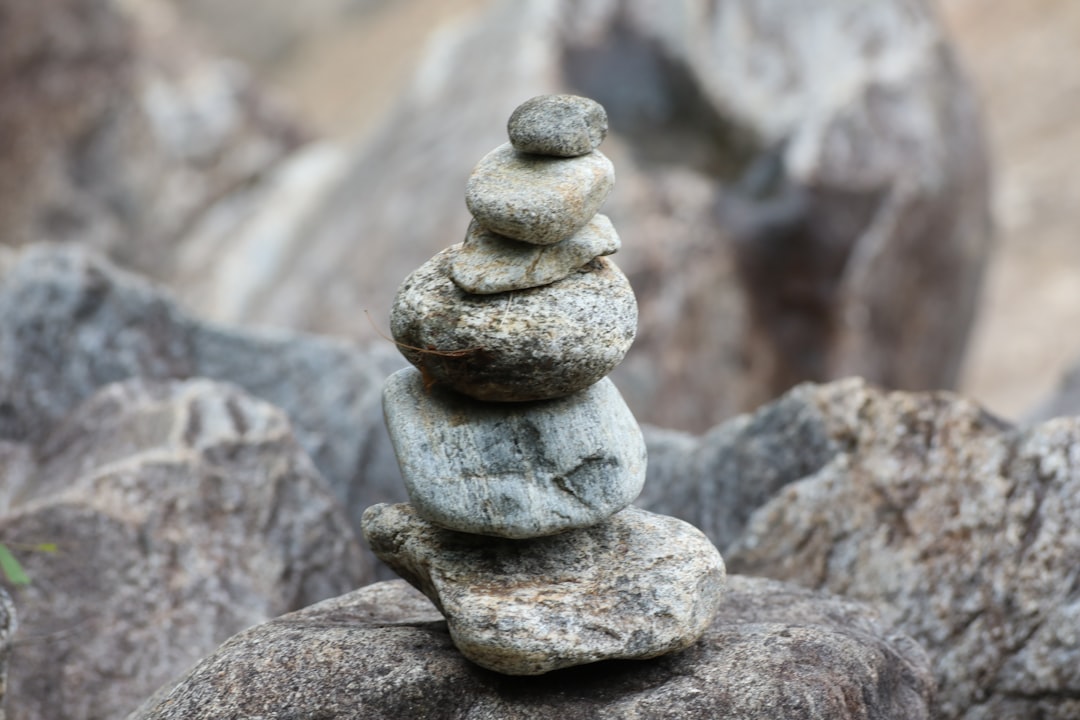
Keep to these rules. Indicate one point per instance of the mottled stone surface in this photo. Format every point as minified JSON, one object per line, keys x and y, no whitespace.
{"x":534,"y":344}
{"x":182,"y":512}
{"x":71,"y":322}
{"x":773,"y":651}
{"x":960,"y":528}
{"x":537,"y":199}
{"x":558,"y":125}
{"x":488,"y":263}
{"x":516,"y":470}
{"x":636,"y":586}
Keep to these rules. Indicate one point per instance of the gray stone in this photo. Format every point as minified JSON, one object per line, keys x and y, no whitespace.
{"x":531,"y":344}
{"x":515,"y":470}
{"x":959,"y":527}
{"x":71,"y":322}
{"x":183,"y":512}
{"x":536,"y":199}
{"x":774,"y":650}
{"x":636,"y":586}
{"x":558,"y":125}
{"x":487,"y":263}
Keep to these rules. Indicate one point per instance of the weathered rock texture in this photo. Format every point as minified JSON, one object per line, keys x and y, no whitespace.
{"x":959,"y":527}
{"x":71,"y":323}
{"x":821,"y":195}
{"x":117,"y":132}
{"x":382,"y":651}
{"x":514,"y":470}
{"x":533,"y":344}
{"x":636,"y":586}
{"x":183,"y":513}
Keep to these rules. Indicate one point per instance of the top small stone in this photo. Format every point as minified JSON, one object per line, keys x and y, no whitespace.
{"x":558,"y":125}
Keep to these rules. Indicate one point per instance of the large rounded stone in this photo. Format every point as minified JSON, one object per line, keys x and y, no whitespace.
{"x":516,"y":470}
{"x":537,"y":199}
{"x":558,"y":125}
{"x":534,"y":344}
{"x":487,"y":263}
{"x":773,"y":651}
{"x":637,"y":586}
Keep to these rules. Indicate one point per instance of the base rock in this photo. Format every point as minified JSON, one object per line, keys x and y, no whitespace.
{"x":636,"y":586}
{"x":383,"y":652}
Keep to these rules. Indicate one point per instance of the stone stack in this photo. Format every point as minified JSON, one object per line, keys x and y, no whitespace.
{"x":519,"y":456}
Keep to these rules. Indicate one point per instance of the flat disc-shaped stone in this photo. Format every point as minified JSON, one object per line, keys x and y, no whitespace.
{"x":488,"y":263}
{"x":636,"y":586}
{"x":515,"y":470}
{"x":533,"y":344}
{"x":537,"y":199}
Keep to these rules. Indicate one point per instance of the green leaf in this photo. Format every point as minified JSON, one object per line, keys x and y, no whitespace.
{"x":46,"y":547}
{"x":11,"y":567}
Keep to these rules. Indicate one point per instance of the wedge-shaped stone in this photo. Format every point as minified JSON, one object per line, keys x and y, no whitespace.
{"x":537,"y":199}
{"x":487,"y":263}
{"x":516,"y":470}
{"x":637,"y":586}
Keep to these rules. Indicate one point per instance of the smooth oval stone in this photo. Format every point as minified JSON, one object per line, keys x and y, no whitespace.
{"x":533,"y":344}
{"x":559,"y":125}
{"x":636,"y":586}
{"x":537,"y":199}
{"x":515,"y":470}
{"x":488,"y":263}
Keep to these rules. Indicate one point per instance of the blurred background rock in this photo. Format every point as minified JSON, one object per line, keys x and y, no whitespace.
{"x":279,"y":166}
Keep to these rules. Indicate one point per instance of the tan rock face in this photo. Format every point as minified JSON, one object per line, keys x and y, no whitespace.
{"x":962,"y":529}
{"x":636,"y":586}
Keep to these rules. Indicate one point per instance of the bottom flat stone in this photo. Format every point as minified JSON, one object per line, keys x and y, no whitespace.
{"x":636,"y":586}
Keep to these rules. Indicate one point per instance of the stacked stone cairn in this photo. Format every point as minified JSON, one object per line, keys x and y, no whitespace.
{"x":519,"y":456}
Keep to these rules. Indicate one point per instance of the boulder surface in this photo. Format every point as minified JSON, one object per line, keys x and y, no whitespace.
{"x":182,"y":512}
{"x":383,"y":651}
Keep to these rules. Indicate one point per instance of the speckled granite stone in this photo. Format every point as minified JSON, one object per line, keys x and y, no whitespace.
{"x":531,"y":344}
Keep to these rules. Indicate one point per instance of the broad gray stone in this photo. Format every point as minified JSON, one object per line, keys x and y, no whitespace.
{"x":558,"y":125}
{"x":773,"y":650}
{"x":487,"y":263}
{"x":531,"y":344}
{"x":71,"y":323}
{"x":515,"y":470}
{"x":536,"y":199}
{"x":184,"y":512}
{"x":636,"y":586}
